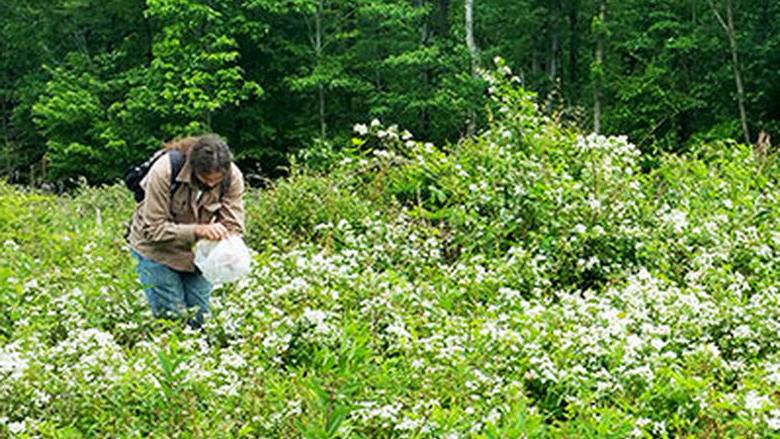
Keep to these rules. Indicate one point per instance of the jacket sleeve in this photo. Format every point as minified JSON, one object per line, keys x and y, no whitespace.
{"x":155,"y":212}
{"x":232,"y":211}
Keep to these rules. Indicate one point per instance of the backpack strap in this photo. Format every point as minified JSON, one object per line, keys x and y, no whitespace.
{"x":177,"y":162}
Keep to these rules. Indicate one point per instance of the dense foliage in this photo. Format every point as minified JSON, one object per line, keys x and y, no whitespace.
{"x":88,"y":86}
{"x":527,"y":282}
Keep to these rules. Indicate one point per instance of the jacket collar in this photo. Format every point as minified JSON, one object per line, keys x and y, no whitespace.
{"x":185,"y":174}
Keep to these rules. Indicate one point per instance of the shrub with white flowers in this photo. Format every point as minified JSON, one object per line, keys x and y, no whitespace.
{"x":530,"y":281}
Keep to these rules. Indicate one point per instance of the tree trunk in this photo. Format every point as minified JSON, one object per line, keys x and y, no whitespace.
{"x":599,"y":67}
{"x":737,"y":71}
{"x":470,"y":43}
{"x":554,"y":41}
{"x":553,"y":65}
{"x":443,"y":19}
{"x":5,"y":116}
{"x":5,"y":148}
{"x":574,"y":46}
{"x":474,"y":52}
{"x":148,"y":40}
{"x":318,"y":51}
{"x":731,"y":34}
{"x":535,"y":67}
{"x":426,"y":74}
{"x":423,"y":23}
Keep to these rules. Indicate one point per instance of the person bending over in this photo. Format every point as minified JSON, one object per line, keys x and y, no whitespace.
{"x":203,"y":201}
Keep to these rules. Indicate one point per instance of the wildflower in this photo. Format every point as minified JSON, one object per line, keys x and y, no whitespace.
{"x":407,"y":424}
{"x":677,"y":219}
{"x":17,"y":427}
{"x":773,"y":421}
{"x":13,"y":364}
{"x":754,"y":401}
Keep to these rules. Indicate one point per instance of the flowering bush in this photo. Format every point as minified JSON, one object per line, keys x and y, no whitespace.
{"x":529,"y":281}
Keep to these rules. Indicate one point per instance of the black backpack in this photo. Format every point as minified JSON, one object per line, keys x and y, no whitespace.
{"x":136,"y":173}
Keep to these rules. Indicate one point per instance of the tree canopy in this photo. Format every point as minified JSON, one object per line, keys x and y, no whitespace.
{"x":88,"y":87}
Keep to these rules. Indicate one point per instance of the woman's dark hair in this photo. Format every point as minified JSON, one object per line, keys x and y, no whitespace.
{"x":210,"y":154}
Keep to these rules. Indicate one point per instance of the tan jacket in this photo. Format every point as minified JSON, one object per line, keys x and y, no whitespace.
{"x":163,"y":226}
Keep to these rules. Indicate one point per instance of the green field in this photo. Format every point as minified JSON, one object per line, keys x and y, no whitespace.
{"x":529,"y":281}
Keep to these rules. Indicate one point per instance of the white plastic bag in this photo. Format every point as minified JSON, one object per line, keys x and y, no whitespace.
{"x":223,"y":261}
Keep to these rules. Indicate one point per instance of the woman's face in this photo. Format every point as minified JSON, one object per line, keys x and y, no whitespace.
{"x":210,"y":180}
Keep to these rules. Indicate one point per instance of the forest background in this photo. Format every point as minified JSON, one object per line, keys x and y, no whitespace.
{"x":88,"y":87}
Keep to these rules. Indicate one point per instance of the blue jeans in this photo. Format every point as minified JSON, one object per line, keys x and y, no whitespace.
{"x":170,"y":292}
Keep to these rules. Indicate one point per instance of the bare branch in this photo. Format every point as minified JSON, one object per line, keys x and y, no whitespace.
{"x":718,"y":16}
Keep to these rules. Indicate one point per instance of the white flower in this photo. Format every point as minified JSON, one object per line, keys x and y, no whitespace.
{"x":30,"y":284}
{"x":657,"y":344}
{"x":633,"y":342}
{"x":17,"y":427}
{"x":398,"y":329}
{"x":315,"y":316}
{"x":407,"y":424}
{"x":677,"y":219}
{"x":592,"y":262}
{"x":754,"y":401}
{"x":659,"y":427}
{"x":375,"y":123}
{"x":233,"y":360}
{"x":361,"y":129}
{"x":742,"y":331}
{"x":773,"y":421}
{"x":13,"y":364}
{"x":580,"y":229}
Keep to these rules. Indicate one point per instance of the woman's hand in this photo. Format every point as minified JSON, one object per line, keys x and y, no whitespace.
{"x":214,"y":232}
